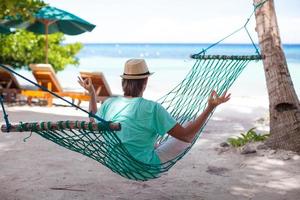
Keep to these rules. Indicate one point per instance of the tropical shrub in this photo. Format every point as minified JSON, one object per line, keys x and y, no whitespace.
{"x":23,"y":47}
{"x":249,"y":136}
{"x":19,"y":8}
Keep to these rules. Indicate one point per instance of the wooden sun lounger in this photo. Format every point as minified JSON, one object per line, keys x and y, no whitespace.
{"x":9,"y":86}
{"x":46,"y":77}
{"x":100,"y":84}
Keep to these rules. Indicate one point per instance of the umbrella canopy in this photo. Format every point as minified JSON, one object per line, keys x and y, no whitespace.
{"x":51,"y":20}
{"x":58,"y":21}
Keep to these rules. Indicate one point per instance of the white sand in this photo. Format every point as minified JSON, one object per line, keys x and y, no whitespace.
{"x":40,"y":169}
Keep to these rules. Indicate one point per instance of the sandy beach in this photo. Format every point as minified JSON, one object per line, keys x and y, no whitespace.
{"x":40,"y":169}
{"x":191,"y":47}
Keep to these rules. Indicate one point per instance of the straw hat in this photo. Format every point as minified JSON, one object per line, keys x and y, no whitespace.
{"x":135,"y":69}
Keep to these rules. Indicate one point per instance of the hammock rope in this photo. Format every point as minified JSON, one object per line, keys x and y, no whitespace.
{"x":100,"y":142}
{"x":244,"y":26}
{"x":184,"y":102}
{"x":5,"y":116}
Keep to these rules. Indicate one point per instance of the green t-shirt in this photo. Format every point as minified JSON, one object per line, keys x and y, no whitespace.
{"x":141,"y":121}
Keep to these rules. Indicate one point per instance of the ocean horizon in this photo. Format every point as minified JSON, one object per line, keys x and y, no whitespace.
{"x":182,"y":50}
{"x":170,"y":62}
{"x":172,"y":43}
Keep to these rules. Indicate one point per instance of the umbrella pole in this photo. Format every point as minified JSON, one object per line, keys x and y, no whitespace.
{"x":46,"y":40}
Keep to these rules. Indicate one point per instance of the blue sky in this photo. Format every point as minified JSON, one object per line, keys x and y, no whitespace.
{"x":203,"y":21}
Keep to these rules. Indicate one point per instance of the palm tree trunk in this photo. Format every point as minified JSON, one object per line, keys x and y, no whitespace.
{"x":283,"y":102}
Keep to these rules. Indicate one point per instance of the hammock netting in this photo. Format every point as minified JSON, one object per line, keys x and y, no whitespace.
{"x":184,"y":103}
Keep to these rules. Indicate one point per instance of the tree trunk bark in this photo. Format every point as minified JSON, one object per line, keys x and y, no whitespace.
{"x":284,"y":104}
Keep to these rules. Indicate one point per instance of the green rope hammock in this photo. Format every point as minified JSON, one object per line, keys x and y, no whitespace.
{"x":100,"y":142}
{"x":184,"y":102}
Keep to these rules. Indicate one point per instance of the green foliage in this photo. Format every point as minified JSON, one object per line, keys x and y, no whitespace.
{"x":249,"y":136}
{"x":22,"y":48}
{"x":20,"y":8}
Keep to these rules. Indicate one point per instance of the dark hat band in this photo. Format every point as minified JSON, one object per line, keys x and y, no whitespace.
{"x":136,"y":74}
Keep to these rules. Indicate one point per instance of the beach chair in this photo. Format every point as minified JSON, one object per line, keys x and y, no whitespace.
{"x":11,"y":90}
{"x":46,"y":77}
{"x":100,"y":84}
{"x":9,"y":86}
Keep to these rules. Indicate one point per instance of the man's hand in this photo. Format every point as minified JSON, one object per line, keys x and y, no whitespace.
{"x":87,"y":84}
{"x":214,"y":100}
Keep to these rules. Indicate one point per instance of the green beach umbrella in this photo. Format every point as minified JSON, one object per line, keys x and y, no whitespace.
{"x":51,"y":20}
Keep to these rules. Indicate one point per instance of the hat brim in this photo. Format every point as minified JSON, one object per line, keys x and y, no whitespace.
{"x":136,"y":77}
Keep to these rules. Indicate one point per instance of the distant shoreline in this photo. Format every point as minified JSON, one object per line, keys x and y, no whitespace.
{"x":180,"y":43}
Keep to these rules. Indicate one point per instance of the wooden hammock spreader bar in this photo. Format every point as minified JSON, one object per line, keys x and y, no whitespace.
{"x":226,"y":57}
{"x":61,"y":125}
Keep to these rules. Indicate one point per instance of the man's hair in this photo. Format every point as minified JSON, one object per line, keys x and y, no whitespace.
{"x":133,"y":87}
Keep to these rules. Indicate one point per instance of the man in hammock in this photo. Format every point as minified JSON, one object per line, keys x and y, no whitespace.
{"x":142,"y":120}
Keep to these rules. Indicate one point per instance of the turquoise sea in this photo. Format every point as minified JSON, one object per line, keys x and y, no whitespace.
{"x":171,"y":62}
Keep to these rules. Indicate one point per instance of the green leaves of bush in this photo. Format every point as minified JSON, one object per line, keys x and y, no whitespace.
{"x":249,"y":136}
{"x":21,"y":8}
{"x":23,"y":47}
